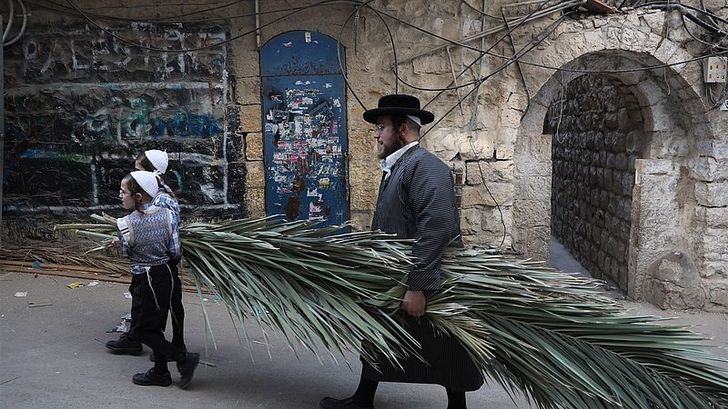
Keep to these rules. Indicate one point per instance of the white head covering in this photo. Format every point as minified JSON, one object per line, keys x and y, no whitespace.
{"x":159,"y":159}
{"x":147,"y":181}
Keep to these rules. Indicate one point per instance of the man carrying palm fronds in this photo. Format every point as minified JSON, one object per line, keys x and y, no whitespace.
{"x":416,"y":201}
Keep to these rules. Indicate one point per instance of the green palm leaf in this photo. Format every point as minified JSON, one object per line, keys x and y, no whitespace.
{"x":534,"y":330}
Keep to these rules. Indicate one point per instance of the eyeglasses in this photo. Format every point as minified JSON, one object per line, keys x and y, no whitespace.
{"x":378,"y":129}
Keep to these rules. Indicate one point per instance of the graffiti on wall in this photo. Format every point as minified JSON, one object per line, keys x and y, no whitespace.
{"x":304,"y":128}
{"x":107,"y":114}
{"x":81,"y":104}
{"x":75,"y":54}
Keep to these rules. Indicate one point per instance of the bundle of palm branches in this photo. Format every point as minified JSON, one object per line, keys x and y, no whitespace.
{"x":534,"y":330}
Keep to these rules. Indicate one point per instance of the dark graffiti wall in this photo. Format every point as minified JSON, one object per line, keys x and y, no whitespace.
{"x":81,"y":103}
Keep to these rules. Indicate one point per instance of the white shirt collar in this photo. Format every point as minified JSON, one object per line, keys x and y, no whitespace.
{"x":388,"y":162}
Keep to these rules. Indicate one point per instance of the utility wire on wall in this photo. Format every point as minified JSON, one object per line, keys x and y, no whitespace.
{"x":544,"y":9}
{"x":327,"y":3}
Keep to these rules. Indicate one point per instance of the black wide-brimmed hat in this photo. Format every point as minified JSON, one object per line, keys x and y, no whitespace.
{"x":398,"y":104}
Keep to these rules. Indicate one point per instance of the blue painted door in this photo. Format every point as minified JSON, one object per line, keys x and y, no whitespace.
{"x":304,"y":126}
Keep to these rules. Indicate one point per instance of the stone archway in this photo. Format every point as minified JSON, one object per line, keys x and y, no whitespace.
{"x":656,"y":123}
{"x":597,"y":134}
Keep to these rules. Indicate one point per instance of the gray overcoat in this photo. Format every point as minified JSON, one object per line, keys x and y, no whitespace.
{"x":417,"y":201}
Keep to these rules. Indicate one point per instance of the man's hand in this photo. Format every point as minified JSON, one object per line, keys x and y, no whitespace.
{"x":413,"y":303}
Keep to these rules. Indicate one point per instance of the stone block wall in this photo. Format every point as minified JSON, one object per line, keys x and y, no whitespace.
{"x":96,"y":101}
{"x":595,"y":144}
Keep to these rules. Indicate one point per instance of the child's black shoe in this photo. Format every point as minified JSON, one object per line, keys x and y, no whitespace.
{"x":187,"y":368}
{"x":125,"y":346}
{"x":152,"y":378}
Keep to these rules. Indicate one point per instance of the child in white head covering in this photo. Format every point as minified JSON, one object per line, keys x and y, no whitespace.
{"x":156,"y":162}
{"x":149,"y":237}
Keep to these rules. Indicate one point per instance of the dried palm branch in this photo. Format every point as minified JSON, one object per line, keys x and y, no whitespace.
{"x":63,"y":256}
{"x":534,"y":330}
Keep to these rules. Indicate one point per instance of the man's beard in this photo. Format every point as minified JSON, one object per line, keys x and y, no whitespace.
{"x":386,"y":152}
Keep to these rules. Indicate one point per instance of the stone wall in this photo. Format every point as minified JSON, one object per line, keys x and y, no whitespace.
{"x":489,"y":125}
{"x":594,"y":146}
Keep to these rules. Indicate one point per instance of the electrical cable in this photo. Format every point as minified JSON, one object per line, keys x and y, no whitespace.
{"x":327,"y":2}
{"x":472,"y":146}
{"x":394,"y":50}
{"x":338,"y":53}
{"x":476,"y":83}
{"x":707,"y":13}
{"x":523,"y":50}
{"x":22,"y":27}
{"x":687,"y":30}
{"x":497,"y":205}
{"x":622,"y":71}
{"x":518,"y":66}
{"x":71,"y":11}
{"x":11,"y":14}
{"x":482,"y":54}
{"x":184,"y":50}
{"x":532,"y":16}
{"x":478,"y":10}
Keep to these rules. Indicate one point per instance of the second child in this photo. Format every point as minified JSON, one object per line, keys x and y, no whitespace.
{"x":149,"y":237}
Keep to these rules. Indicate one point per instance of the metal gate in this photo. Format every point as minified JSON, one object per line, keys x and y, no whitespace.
{"x":304,"y":126}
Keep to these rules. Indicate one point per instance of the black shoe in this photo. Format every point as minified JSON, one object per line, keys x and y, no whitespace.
{"x":125,"y":346}
{"x":348,"y":403}
{"x":187,"y":368}
{"x":151,"y":377}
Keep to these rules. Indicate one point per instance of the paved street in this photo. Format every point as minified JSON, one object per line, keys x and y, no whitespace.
{"x":52,"y":356}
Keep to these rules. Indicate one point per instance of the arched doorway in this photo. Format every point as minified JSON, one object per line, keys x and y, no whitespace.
{"x":597,"y":134}
{"x":613,"y":143}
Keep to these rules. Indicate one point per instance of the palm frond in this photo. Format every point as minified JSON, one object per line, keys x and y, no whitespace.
{"x":549,"y":335}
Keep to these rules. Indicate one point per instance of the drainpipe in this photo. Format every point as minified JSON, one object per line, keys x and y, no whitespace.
{"x":474,"y":112}
{"x":2,"y":129}
{"x":257,"y":25}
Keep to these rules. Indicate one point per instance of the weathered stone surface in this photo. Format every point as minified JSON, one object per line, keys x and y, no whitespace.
{"x":669,"y":296}
{"x":255,"y":201}
{"x":250,"y":94}
{"x":493,"y":171}
{"x":719,"y":295}
{"x":364,"y":177}
{"x":715,"y":217}
{"x":715,"y":148}
{"x":361,"y":220}
{"x":505,"y":144}
{"x":711,"y":194}
{"x":255,"y":178}
{"x":654,"y":20}
{"x":532,"y":212}
{"x":254,"y":146}
{"x":250,"y":118}
{"x":479,"y":145}
{"x":502,"y":193}
{"x":715,"y":240}
{"x":497,"y":220}
{"x":470,"y":220}
{"x":709,"y":169}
